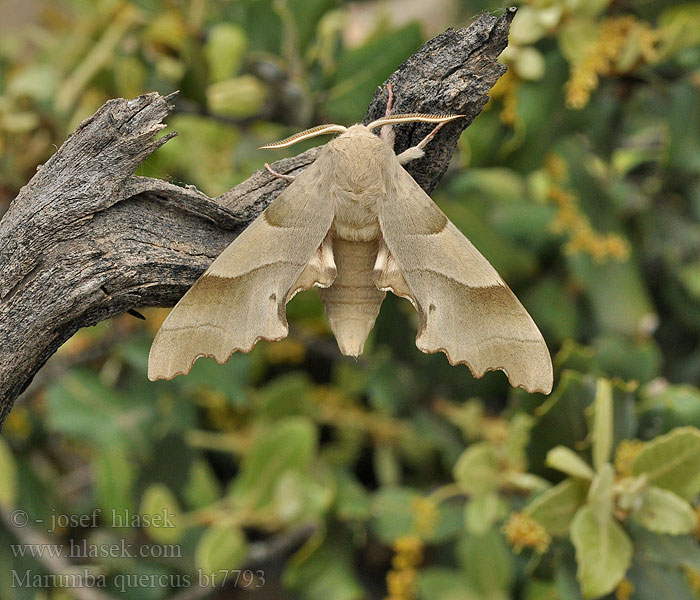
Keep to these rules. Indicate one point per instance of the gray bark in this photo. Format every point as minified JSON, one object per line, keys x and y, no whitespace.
{"x":85,"y":239}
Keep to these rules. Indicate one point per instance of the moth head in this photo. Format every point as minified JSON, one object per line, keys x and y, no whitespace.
{"x":331,"y":128}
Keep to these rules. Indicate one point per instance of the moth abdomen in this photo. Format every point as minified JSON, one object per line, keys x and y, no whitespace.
{"x":352,"y":302}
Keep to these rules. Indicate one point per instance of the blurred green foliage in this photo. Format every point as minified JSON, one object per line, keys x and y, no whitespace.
{"x":580,"y":182}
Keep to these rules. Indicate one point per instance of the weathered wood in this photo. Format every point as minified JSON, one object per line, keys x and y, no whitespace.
{"x":85,"y":239}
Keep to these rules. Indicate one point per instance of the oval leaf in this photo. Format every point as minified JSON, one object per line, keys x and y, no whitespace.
{"x":671,"y":462}
{"x":664,"y":512}
{"x":567,"y":461}
{"x":238,"y":97}
{"x":442,"y":583}
{"x":392,"y":516}
{"x":555,"y":508}
{"x":476,"y":470}
{"x":160,"y":511}
{"x":221,"y":549}
{"x":601,"y":493}
{"x":202,"y":487}
{"x":482,"y":513}
{"x":602,"y":432}
{"x":487,"y":563}
{"x":289,"y":446}
{"x":114,"y":480}
{"x":603,"y":553}
{"x":224,"y":50}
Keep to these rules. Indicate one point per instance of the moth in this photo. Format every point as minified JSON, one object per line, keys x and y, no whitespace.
{"x":355,"y":224}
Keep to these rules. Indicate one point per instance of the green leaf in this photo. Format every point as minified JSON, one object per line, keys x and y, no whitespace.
{"x":555,"y":508}
{"x":327,"y":572}
{"x":662,"y":564}
{"x":170,"y":460}
{"x":221,"y":549}
{"x":602,"y":431}
{"x":486,"y":561}
{"x":526,"y":481}
{"x":669,"y":406}
{"x":603,"y":552}
{"x":637,"y":359}
{"x":202,"y":486}
{"x":628,"y":493}
{"x":655,"y":582}
{"x":495,"y":184}
{"x":600,"y":494}
{"x":350,"y":378}
{"x":114,"y":480}
{"x":239,"y":97}
{"x":286,"y":395}
{"x":288,"y":445}
{"x":80,"y":405}
{"x":482,"y":512}
{"x":130,"y":76}
{"x":518,"y":439}
{"x":224,"y":50}
{"x":625,"y":410}
{"x":401,"y":511}
{"x":476,"y":470}
{"x":361,"y":70}
{"x":8,"y":476}
{"x":302,"y":496}
{"x":161,"y":510}
{"x":678,"y":27}
{"x":575,"y":36}
{"x":541,"y":590}
{"x":441,"y":583}
{"x":510,"y":259}
{"x":352,"y":500}
{"x":664,"y":512}
{"x":307,"y":15}
{"x":392,"y":514}
{"x":553,"y":306}
{"x":36,"y":81}
{"x":561,"y":418}
{"x":567,"y":461}
{"x":565,"y":578}
{"x":448,"y":524}
{"x":389,"y":385}
{"x":575,"y":357}
{"x":671,"y":462}
{"x":616,"y":290}
{"x":678,"y":551}
{"x":386,"y":465}
{"x":529,"y":63}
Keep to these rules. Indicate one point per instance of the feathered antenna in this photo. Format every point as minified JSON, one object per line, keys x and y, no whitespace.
{"x":412,"y":118}
{"x":306,"y":134}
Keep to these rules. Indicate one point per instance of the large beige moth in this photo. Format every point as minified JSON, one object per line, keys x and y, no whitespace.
{"x":356,"y":225}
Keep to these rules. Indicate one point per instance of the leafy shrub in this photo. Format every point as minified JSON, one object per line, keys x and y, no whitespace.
{"x":406,"y":477}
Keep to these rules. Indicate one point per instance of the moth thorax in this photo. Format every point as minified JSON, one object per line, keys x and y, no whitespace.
{"x":355,"y":217}
{"x":356,"y":233}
